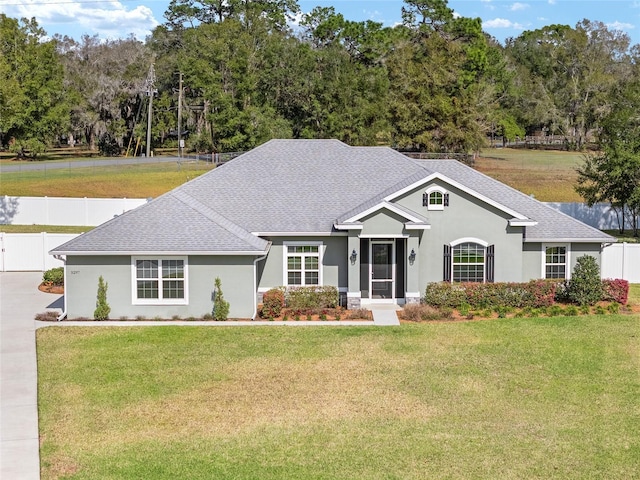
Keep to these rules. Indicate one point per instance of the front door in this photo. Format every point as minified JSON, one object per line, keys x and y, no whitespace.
{"x":382,"y":272}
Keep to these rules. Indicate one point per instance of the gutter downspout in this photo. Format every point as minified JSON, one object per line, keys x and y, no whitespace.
{"x":255,"y":280}
{"x":63,"y":315}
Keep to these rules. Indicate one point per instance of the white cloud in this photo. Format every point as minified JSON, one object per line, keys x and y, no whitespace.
{"x":620,"y":26}
{"x":552,"y":2}
{"x":518,"y":7}
{"x":502,"y":23}
{"x":110,"y":20}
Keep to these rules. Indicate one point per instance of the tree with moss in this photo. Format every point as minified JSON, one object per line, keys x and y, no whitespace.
{"x":220,"y":305}
{"x":102,"y":307}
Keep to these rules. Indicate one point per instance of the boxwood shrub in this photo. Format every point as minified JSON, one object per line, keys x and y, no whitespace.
{"x":305,"y":298}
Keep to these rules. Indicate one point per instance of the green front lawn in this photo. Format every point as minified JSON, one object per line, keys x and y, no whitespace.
{"x":509,"y":399}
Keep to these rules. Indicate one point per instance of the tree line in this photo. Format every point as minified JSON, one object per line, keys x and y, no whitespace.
{"x":435,"y":82}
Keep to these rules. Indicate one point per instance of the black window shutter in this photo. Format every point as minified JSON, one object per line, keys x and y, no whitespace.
{"x":446,"y":199}
{"x":490,"y":265}
{"x":425,"y":199}
{"x":446,"y":269}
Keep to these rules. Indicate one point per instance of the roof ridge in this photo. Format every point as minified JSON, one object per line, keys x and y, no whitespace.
{"x":379,"y":197}
{"x":220,"y":220}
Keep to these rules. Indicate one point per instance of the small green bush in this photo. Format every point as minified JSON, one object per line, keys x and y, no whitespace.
{"x":571,"y":311}
{"x":585,"y":286}
{"x":220,"y":305}
{"x":54,"y":276}
{"x":102,"y":307}
{"x":306,"y":298}
{"x":614,"y":308}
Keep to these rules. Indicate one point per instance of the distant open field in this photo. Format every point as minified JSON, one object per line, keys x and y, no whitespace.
{"x":549,"y":175}
{"x":132,"y":181}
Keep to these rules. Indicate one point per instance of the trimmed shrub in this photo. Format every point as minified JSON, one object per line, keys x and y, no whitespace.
{"x":536,"y":293}
{"x":220,"y":305}
{"x":102,"y":307}
{"x":308,"y":298}
{"x":54,"y":276}
{"x":445,"y":294}
{"x":615,"y":290}
{"x":585,"y":286}
{"x":272,"y":303}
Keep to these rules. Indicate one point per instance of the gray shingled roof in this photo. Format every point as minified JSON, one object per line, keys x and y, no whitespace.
{"x":297,"y":186}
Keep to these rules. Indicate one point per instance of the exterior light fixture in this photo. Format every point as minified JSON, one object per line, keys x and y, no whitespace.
{"x":412,"y":256}
{"x":353,"y":257}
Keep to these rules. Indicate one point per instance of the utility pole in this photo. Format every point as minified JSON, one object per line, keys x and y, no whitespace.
{"x":150,"y":85}
{"x":180,"y":119}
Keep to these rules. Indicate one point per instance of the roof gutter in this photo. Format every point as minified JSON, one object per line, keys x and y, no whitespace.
{"x":63,"y":315}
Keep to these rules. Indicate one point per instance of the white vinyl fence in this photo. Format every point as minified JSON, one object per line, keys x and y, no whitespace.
{"x":621,"y":260}
{"x":30,"y":251}
{"x":63,"y":211}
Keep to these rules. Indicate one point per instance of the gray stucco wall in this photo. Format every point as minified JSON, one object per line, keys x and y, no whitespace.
{"x":235,"y":272}
{"x":334,"y":261}
{"x":465,"y":217}
{"x":533,"y":258}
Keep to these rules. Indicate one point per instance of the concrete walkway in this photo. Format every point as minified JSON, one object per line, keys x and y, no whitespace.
{"x":384,"y":315}
{"x":20,"y":300}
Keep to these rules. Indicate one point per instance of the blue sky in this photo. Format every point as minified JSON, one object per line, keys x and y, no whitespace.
{"x":502,"y":19}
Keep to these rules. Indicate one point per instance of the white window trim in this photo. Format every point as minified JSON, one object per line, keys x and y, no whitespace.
{"x":469,"y":240}
{"x":543,"y":273}
{"x":159,"y":301}
{"x":285,"y":265}
{"x":433,"y":189}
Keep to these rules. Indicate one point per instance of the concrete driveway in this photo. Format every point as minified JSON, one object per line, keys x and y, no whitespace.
{"x":20,"y":300}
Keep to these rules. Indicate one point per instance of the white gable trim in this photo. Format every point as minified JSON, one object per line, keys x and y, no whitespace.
{"x":380,"y":206}
{"x":459,"y":186}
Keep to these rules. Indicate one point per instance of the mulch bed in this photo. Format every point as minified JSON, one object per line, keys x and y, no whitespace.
{"x":48,"y":288}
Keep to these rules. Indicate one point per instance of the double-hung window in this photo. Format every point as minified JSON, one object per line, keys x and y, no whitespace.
{"x":159,"y":280}
{"x":555,"y":261}
{"x":303,"y":264}
{"x":468,"y":262}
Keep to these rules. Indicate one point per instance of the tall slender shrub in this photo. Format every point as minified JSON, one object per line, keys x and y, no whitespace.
{"x":102,"y":307}
{"x":220,"y":305}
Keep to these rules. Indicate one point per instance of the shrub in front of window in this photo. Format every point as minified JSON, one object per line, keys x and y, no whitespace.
{"x":220,"y":305}
{"x":272,"y":303}
{"x":102,"y":306}
{"x":307,"y":298}
{"x":445,"y":294}
{"x":585,"y":286}
{"x":536,"y":293}
{"x":615,"y":290}
{"x":54,"y":276}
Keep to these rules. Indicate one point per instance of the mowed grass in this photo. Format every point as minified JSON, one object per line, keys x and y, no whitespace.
{"x":132,"y":181}
{"x":549,"y":175}
{"x":43,"y":228}
{"x":509,"y":399}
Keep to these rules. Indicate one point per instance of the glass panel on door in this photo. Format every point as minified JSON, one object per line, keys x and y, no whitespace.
{"x":382,"y":270}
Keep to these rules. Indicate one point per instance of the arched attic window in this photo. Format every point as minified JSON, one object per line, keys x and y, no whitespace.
{"x":435,"y":198}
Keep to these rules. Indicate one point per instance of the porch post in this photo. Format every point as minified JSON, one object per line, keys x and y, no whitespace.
{"x":353,"y":267}
{"x":413,"y":294}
